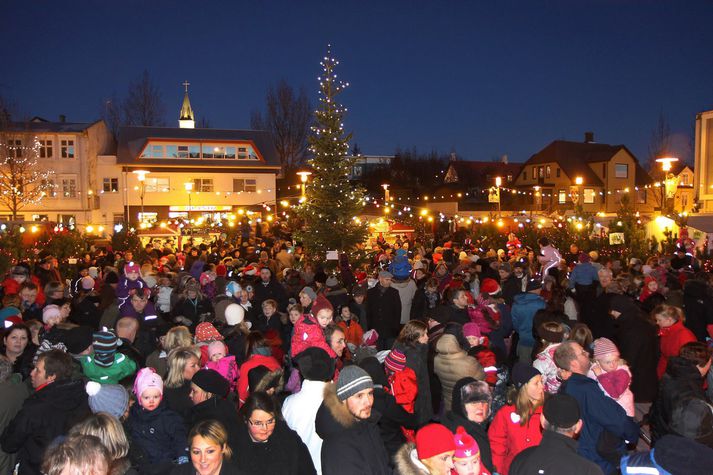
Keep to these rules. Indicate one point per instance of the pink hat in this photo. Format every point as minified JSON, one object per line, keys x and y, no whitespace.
{"x":471,"y":329}
{"x":147,"y":378}
{"x":466,"y":446}
{"x":216,"y":347}
{"x":604,"y":346}
{"x":206,"y":332}
{"x":50,"y":311}
{"x":395,"y":361}
{"x":131,"y":267}
{"x":370,"y":337}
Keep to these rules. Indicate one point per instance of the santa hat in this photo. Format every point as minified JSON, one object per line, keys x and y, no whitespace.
{"x":489,"y":286}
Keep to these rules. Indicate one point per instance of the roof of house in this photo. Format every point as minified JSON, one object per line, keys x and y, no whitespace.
{"x":40,"y":125}
{"x":574,"y":159}
{"x":477,"y":172}
{"x":132,"y":141}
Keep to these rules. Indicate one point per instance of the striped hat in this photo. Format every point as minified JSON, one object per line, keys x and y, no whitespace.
{"x":395,"y":361}
{"x":352,"y":379}
{"x":604,"y":346}
{"x":105,"y":344}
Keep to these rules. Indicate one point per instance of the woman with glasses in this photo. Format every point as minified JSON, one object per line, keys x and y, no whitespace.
{"x":266,"y":444}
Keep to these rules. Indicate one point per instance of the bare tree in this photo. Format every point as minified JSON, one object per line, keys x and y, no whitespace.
{"x":660,"y":143}
{"x":143,"y":104}
{"x":22,"y":181}
{"x":287,"y":117}
{"x":111,"y":114}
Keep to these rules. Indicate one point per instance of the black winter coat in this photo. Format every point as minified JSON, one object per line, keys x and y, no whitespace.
{"x":221,"y":410}
{"x":160,"y":433}
{"x":637,"y":340}
{"x":46,"y":414}
{"x":479,"y":431}
{"x":178,"y":400}
{"x":284,"y":453}
{"x":698,"y":306}
{"x":383,"y":311}
{"x":417,"y":360}
{"x":192,"y":310}
{"x":273,"y":290}
{"x":349,"y":447}
{"x":680,"y":382}
{"x":556,"y":455}
{"x":393,"y":417}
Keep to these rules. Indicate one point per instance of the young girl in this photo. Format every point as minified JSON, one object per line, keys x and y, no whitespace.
{"x":402,"y":384}
{"x":353,"y":332}
{"x":131,"y":280}
{"x":157,"y":430}
{"x":672,"y":334}
{"x":309,"y":329}
{"x":551,"y":335}
{"x":612,"y":373}
{"x":223,"y":363}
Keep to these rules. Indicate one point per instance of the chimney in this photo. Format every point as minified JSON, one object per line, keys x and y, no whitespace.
{"x":504,"y":159}
{"x":62,"y":118}
{"x":589,"y":137}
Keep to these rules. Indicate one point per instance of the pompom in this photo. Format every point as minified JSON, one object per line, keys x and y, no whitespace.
{"x":93,"y":388}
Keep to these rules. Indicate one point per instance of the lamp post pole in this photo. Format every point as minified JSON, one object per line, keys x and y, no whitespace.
{"x":141,"y":176}
{"x":498,"y":184}
{"x":189,"y":187}
{"x":669,"y":183}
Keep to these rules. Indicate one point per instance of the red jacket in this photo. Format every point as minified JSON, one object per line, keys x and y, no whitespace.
{"x":508,"y":438}
{"x":353,"y":333}
{"x":308,"y":333}
{"x":253,"y":362}
{"x":671,"y":339}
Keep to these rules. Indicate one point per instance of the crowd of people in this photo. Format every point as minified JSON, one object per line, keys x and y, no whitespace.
{"x":443,"y":358}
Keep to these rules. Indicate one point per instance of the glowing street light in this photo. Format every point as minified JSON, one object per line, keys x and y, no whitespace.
{"x":141,"y":176}
{"x":670,"y":182}
{"x":303,"y":174}
{"x":189,"y":187}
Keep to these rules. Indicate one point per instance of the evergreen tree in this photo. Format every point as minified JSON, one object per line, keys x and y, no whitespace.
{"x":332,"y":202}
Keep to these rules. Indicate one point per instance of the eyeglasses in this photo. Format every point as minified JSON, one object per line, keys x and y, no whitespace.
{"x":261,"y":424}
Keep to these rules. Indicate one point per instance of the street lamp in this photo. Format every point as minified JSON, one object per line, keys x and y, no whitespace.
{"x":498,"y":183}
{"x":576,"y":197}
{"x":141,"y":176}
{"x":670,"y":182}
{"x":189,"y":187}
{"x":385,"y":186}
{"x":89,"y":206}
{"x":303,"y":174}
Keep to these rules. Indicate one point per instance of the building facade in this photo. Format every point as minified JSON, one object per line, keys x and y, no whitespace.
{"x":703,"y":153}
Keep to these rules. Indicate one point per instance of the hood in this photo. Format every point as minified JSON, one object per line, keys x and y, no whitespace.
{"x":400,"y":284}
{"x":622,"y":304}
{"x":695,"y":288}
{"x":457,"y":405}
{"x":65,"y":395}
{"x":448,"y":345}
{"x":333,"y":416}
{"x":407,"y":463}
{"x":680,"y":369}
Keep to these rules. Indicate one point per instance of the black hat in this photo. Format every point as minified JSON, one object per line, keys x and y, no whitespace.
{"x":315,"y":364}
{"x":375,"y":369}
{"x":211,"y":381}
{"x":78,"y":339}
{"x":561,"y":410}
{"x":693,"y":418}
{"x":522,"y":373}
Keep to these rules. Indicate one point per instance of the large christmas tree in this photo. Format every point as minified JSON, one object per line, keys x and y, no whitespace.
{"x":332,"y":202}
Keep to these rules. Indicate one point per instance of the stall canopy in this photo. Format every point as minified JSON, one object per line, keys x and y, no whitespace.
{"x":702,"y":223}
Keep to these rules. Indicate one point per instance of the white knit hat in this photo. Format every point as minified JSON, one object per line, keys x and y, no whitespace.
{"x":234,"y":314}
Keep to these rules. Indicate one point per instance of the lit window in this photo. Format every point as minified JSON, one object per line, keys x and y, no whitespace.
{"x":66,"y":148}
{"x":203,"y":184}
{"x":589,"y":195}
{"x":156,"y":184}
{"x":548,"y":171}
{"x":110,"y":185}
{"x":69,"y":187}
{"x":621,"y":170}
{"x":562,"y":196}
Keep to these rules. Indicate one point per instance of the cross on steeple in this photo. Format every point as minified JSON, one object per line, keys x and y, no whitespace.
{"x":186,"y":84}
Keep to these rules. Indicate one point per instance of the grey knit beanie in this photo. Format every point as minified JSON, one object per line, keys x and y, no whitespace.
{"x":352,"y":379}
{"x":110,"y":398}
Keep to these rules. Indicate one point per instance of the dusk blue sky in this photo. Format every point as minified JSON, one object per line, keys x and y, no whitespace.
{"x":483,"y":78}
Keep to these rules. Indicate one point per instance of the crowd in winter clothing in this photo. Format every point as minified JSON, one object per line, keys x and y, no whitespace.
{"x":449,"y":357}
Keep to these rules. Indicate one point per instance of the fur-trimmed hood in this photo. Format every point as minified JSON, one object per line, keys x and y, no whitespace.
{"x":271,"y":379}
{"x":407,"y":463}
{"x":332,"y":416}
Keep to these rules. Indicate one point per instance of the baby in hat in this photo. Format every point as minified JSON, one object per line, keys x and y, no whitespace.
{"x":466,"y":459}
{"x":612,"y":373}
{"x":155,"y":429}
{"x":131,"y":280}
{"x":225,"y":364}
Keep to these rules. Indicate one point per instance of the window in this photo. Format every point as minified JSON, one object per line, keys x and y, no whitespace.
{"x":684,"y":179}
{"x":621,"y":170}
{"x":203,"y":184}
{"x":641,"y":196}
{"x":156,"y":185}
{"x":534,"y":173}
{"x":46,"y":149}
{"x":589,"y":195}
{"x":111,"y":185}
{"x":548,"y":171}
{"x":66,"y":148}
{"x":69,"y":187}
{"x":51,"y":188}
{"x":541,"y":172}
{"x":684,"y":201}
{"x":509,"y":178}
{"x":117,"y":218}
{"x":172,"y":151}
{"x":14,"y":148}
{"x":561,"y":196}
{"x":40,"y":217}
{"x":248,"y":185}
{"x":557,"y":172}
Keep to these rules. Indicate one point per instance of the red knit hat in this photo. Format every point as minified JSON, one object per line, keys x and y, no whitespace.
{"x":395,"y":361}
{"x":466,"y":446}
{"x":432,"y":440}
{"x":604,"y":346}
{"x":206,"y":332}
{"x":489,"y":286}
{"x":321,"y":303}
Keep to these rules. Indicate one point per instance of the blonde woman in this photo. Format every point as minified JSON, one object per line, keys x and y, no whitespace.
{"x":176,"y":336}
{"x":111,"y":433}
{"x":209,"y":451}
{"x":183,"y":363}
{"x":516,"y":426}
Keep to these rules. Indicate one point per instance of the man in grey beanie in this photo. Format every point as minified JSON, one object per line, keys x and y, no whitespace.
{"x":347,"y":425}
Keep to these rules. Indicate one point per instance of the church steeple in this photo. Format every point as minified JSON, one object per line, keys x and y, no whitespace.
{"x":186,"y":120}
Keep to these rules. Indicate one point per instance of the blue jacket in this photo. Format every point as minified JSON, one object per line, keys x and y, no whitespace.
{"x":583,"y":273}
{"x":523,"y":310}
{"x":599,"y":412}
